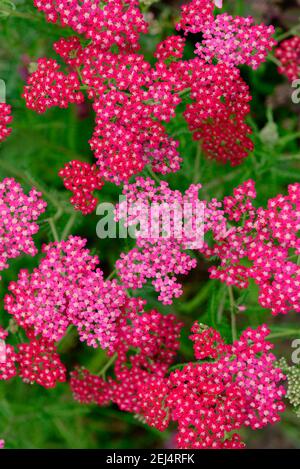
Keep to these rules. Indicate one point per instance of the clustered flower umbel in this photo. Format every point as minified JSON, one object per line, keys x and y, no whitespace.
{"x":82,"y":179}
{"x":5,"y":120}
{"x":209,"y":400}
{"x":35,"y":361}
{"x":67,"y":289}
{"x":18,"y":215}
{"x":261,"y":244}
{"x":146,"y":346}
{"x":133,"y":100}
{"x":288,"y":52}
{"x":156,"y":257}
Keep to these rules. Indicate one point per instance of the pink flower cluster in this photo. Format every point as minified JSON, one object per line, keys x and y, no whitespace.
{"x":19,"y":213}
{"x":82,"y":179}
{"x":288,"y":52}
{"x":210,"y":401}
{"x":48,"y":87}
{"x":236,"y":41}
{"x":159,"y":256}
{"x":261,"y":244}
{"x":67,"y":289}
{"x":5,"y":120}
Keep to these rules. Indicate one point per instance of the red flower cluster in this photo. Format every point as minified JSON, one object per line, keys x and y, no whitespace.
{"x":67,"y":289}
{"x":89,"y":388}
{"x":40,"y":300}
{"x":5,"y":120}
{"x":113,"y":21}
{"x":40,"y":363}
{"x":82,"y":179}
{"x":195,"y":16}
{"x":212,"y":400}
{"x":36,"y":361}
{"x":146,"y":346}
{"x":217,"y":115}
{"x":209,"y":400}
{"x":288,"y":53}
{"x":48,"y":87}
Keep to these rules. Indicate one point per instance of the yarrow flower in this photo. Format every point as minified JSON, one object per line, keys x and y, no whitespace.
{"x":195,"y":15}
{"x":113,"y":21}
{"x":40,"y":300}
{"x":95,"y":309}
{"x":133,"y":99}
{"x":40,"y":363}
{"x":48,"y":87}
{"x":288,"y":52}
{"x":88,"y":388}
{"x":146,"y":346}
{"x":160,"y":255}
{"x":67,"y":289}
{"x":236,"y":41}
{"x":19,"y":213}
{"x":82,"y":179}
{"x":218,"y":112}
{"x":210,"y":401}
{"x":261,"y":244}
{"x":8,"y":358}
{"x":5,"y":120}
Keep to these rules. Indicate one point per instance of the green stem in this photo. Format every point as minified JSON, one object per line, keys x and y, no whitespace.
{"x":232,"y":313}
{"x":153,"y":175}
{"x":184,"y":92}
{"x":53,"y":230}
{"x":112,"y":274}
{"x":274,"y":60}
{"x":112,"y":359}
{"x":291,"y":32}
{"x":69,"y":226}
{"x":18,"y":14}
{"x":197,"y":164}
{"x":289,"y":333}
{"x":221,"y":308}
